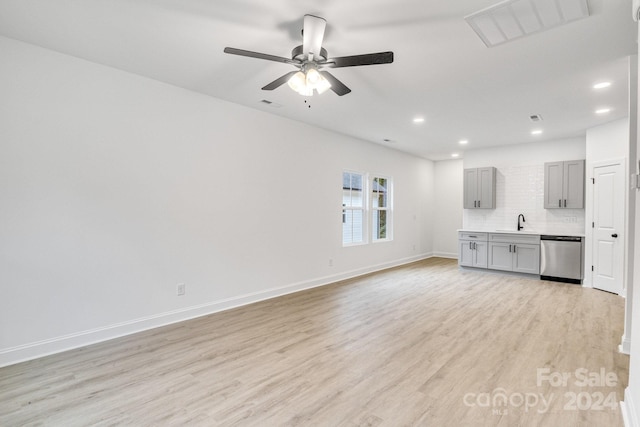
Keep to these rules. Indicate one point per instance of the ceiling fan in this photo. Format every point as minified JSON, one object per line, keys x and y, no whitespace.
{"x":310,"y":58}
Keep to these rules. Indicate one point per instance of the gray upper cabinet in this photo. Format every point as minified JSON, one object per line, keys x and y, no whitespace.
{"x":480,"y":188}
{"x":564,"y":185}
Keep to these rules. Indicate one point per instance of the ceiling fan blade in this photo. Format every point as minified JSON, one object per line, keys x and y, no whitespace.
{"x":312,"y":35}
{"x":336,"y":85}
{"x":250,"y":54}
{"x":279,"y":81}
{"x":357,"y":60}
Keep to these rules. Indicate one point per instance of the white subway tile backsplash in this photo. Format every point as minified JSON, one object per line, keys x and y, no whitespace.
{"x":520,"y":190}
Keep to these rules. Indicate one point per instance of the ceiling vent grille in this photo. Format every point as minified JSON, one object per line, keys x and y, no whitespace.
{"x":513,"y":19}
{"x":535,"y":117}
{"x":270,"y":103}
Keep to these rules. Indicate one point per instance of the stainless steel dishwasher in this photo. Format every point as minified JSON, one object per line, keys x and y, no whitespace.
{"x":561,"y":258}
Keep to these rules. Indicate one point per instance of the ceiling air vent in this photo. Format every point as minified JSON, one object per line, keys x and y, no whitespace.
{"x":513,"y":19}
{"x":535,"y":118}
{"x":270,"y":103}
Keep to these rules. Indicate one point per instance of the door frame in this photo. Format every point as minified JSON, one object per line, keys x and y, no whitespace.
{"x":589,"y":199}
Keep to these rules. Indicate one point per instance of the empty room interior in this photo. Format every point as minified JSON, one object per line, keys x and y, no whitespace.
{"x":319,"y":213}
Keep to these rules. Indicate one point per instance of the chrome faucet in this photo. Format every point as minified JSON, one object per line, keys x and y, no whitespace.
{"x":520,"y":227}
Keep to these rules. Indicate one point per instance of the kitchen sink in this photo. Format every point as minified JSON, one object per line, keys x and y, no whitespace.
{"x":514,"y":231}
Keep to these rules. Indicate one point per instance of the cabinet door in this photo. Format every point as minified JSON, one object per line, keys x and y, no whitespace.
{"x":573,"y":185}
{"x":480,"y":254}
{"x":526,"y":258}
{"x":470,"y":188}
{"x":465,"y":253}
{"x":500,"y":256}
{"x":553,"y":183}
{"x":486,"y":188}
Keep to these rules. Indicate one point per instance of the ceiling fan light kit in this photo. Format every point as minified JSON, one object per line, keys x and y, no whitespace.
{"x":307,"y":80}
{"x":310,"y":58}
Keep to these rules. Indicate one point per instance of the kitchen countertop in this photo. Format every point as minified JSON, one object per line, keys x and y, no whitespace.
{"x":530,"y":232}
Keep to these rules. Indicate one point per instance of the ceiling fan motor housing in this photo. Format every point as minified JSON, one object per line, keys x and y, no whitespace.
{"x":297,"y":54}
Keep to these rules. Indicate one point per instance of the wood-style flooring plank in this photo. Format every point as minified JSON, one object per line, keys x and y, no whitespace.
{"x":418,"y":345}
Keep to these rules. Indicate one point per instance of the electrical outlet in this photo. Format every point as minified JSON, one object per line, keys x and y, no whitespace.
{"x":181,"y":289}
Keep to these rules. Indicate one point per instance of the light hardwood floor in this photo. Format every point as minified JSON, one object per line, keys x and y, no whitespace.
{"x":419,"y":345}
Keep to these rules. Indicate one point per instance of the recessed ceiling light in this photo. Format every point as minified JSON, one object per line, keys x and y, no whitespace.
{"x":601,"y":85}
{"x":603,"y":111}
{"x":463,"y":141}
{"x":454,"y":155}
{"x":536,"y":132}
{"x":418,"y":120}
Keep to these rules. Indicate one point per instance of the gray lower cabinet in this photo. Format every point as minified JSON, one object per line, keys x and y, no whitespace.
{"x":500,"y":251}
{"x":512,"y":252}
{"x":519,"y":257}
{"x":472,"y":249}
{"x":501,"y":256}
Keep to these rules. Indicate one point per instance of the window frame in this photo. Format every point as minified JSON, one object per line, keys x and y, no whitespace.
{"x":364,"y":208}
{"x":376,"y":209}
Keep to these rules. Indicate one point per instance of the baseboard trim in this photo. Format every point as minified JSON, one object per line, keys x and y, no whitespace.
{"x":35,"y":350}
{"x":625,"y":346}
{"x":446,"y":255}
{"x":629,"y":411}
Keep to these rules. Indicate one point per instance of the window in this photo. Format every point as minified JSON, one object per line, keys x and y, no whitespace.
{"x":353,"y":208}
{"x":357,"y":190}
{"x":380,"y":209}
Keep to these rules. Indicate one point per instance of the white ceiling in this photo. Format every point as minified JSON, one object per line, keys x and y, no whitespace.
{"x":442,"y":70}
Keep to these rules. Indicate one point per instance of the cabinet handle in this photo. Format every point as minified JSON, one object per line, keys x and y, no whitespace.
{"x":565,"y":203}
{"x":559,"y":203}
{"x":509,"y":248}
{"x":475,"y":246}
{"x":478,"y":203}
{"x":473,"y":237}
{"x":475,"y":204}
{"x":514,"y":248}
{"x":470,"y":246}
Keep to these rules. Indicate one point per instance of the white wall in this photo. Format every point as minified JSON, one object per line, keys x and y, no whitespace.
{"x":631,"y":404}
{"x":115,"y":188}
{"x":609,"y":142}
{"x":448,"y":212}
{"x":625,"y":345}
{"x":520,"y":187}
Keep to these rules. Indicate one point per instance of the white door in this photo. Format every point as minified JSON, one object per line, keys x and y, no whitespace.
{"x":608,"y":227}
